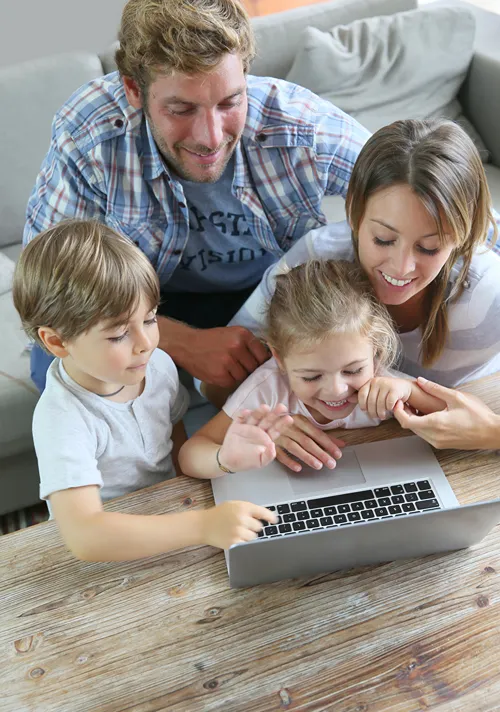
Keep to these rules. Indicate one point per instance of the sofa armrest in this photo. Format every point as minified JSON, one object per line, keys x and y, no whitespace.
{"x":480,"y":93}
{"x":480,"y":97}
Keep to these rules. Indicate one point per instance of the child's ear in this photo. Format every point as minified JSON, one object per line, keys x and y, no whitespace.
{"x":277,"y":359}
{"x":52,"y":341}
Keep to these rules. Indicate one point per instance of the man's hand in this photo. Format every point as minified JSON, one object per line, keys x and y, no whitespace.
{"x":466,"y":423}
{"x":309,"y":444}
{"x":380,"y":394}
{"x":223,"y":356}
{"x":249,"y":441}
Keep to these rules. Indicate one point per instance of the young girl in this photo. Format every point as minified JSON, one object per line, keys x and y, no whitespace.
{"x":332,"y":343}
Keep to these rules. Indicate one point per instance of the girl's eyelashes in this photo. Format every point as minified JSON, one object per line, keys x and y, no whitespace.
{"x":347,"y":373}
{"x":423,"y":250}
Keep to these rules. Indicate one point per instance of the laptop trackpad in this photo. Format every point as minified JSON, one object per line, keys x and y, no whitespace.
{"x":346,"y":474}
{"x":276,"y":483}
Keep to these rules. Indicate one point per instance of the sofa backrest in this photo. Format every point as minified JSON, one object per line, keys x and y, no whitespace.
{"x":277,"y":35}
{"x":31,"y":93}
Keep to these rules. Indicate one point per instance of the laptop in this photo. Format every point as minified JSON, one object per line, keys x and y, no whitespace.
{"x":384,"y":501}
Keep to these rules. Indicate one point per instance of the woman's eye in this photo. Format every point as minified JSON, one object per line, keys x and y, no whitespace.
{"x":424,"y":251}
{"x":312,"y":378}
{"x":382,"y":243}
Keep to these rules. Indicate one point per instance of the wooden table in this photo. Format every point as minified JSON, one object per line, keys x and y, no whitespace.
{"x":168,"y":633}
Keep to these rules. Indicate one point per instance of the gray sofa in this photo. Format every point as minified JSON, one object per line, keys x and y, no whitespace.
{"x":32,"y":92}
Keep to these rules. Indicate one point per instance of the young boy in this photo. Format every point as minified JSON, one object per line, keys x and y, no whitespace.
{"x":110,"y":419}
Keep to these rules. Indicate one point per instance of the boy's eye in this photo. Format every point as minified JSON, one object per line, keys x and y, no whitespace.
{"x":117,"y":339}
{"x":312,"y":378}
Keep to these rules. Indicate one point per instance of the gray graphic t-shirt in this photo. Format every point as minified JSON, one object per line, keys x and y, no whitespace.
{"x":221,"y":254}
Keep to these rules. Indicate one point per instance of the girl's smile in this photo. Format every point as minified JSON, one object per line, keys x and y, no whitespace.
{"x":327,"y":376}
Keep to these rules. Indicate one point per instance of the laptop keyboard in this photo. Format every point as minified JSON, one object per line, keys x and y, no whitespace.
{"x":350,"y":508}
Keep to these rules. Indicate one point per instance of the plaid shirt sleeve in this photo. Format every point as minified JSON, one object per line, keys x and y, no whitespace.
{"x":346,"y":136}
{"x":68,"y":186}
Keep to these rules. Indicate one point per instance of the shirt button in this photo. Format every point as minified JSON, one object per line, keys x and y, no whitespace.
{"x":177,"y":252}
{"x":261,"y":137}
{"x":466,"y":284}
{"x":119,"y":123}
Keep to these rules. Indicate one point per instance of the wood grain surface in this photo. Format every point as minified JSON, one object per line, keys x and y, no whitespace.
{"x":168,"y":633}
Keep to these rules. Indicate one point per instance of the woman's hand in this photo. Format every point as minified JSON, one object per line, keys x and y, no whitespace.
{"x":307,"y":443}
{"x":249,"y":441}
{"x":466,"y":423}
{"x":379,"y":395}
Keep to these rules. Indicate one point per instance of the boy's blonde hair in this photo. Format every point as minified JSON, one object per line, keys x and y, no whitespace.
{"x":191,"y":37}
{"x":80,"y":273}
{"x":321,"y":298}
{"x":442,"y":166}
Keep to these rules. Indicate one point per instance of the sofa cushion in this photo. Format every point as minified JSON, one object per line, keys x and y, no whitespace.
{"x":31,"y":94}
{"x":379,"y":69}
{"x":18,"y":395}
{"x":278,"y":35}
{"x":6,"y":274}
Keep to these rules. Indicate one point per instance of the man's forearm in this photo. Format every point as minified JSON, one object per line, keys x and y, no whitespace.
{"x":174,"y":339}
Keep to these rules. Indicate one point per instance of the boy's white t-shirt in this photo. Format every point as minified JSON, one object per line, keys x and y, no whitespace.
{"x":268,"y":386}
{"x":83,"y":439}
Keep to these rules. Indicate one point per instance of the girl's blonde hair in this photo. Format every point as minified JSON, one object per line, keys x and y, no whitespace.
{"x":77,"y":274}
{"x":187,"y":36}
{"x":325,"y":297}
{"x":442,"y":166}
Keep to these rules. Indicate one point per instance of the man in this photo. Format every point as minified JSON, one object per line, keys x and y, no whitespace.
{"x":212,"y":173}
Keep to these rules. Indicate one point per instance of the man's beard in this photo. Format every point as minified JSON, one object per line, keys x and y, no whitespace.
{"x":178,"y":167}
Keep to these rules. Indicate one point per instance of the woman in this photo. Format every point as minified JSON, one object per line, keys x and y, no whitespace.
{"x":418,"y":215}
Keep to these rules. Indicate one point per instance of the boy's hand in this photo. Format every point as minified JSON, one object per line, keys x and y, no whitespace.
{"x":249,"y":441}
{"x":379,"y":396}
{"x":233,"y":523}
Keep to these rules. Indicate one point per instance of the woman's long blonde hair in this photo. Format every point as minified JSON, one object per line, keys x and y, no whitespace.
{"x":442,"y":166}
{"x":324,"y":297}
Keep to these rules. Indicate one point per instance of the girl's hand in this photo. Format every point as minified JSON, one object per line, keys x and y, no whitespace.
{"x":308,"y":443}
{"x":379,"y":396}
{"x":249,"y":441}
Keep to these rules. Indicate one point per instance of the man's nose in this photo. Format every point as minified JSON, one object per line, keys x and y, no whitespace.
{"x":207,"y":129}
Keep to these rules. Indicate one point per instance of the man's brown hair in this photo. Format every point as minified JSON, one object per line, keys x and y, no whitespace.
{"x":186,"y":36}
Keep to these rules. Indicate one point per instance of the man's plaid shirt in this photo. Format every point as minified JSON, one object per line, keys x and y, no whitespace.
{"x":104,"y":164}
